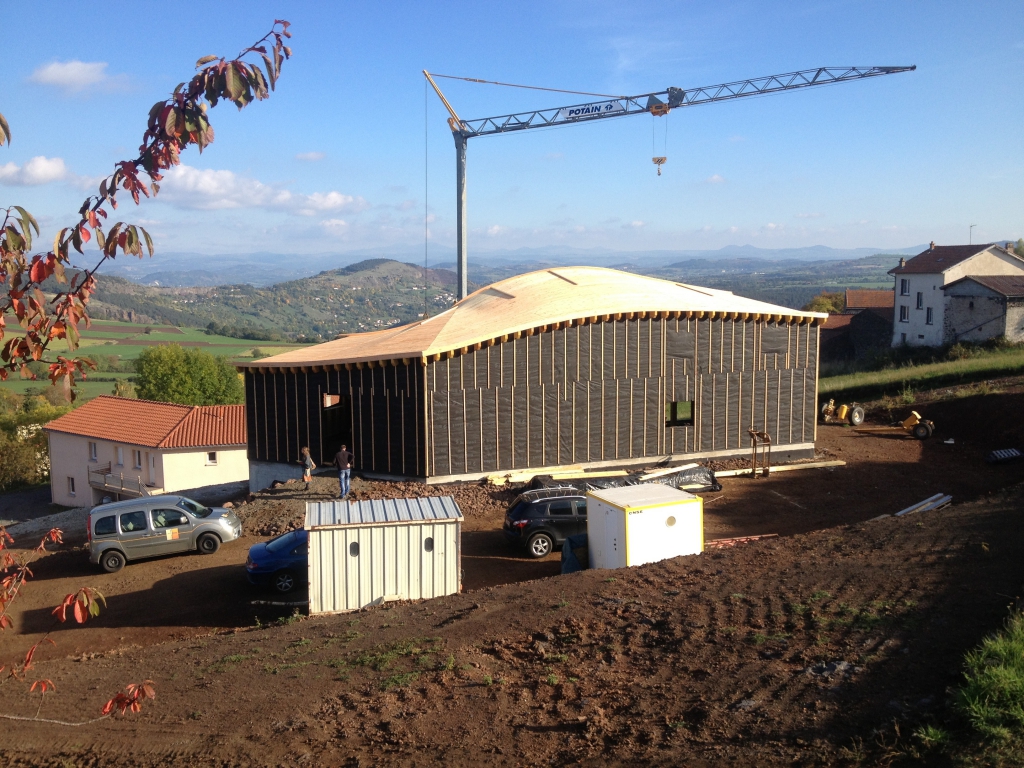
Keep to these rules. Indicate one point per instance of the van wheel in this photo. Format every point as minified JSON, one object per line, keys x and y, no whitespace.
{"x":540,"y":545}
{"x":208,"y":544}
{"x":284,"y":581}
{"x":112,"y":561}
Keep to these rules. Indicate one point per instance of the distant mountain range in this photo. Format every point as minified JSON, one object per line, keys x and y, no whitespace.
{"x":380,"y":293}
{"x":181,"y":270}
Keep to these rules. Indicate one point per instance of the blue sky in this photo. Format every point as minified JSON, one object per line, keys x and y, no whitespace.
{"x":334,"y":161}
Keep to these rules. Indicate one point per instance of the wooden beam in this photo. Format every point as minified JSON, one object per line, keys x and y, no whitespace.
{"x":783,"y":468}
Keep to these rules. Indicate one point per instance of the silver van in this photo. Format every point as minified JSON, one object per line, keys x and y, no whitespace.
{"x":156,"y":525}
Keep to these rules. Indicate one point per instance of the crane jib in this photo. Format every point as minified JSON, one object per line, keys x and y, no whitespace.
{"x":586,"y":110}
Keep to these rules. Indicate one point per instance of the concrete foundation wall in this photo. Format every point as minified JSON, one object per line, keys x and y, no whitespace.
{"x":262,"y":474}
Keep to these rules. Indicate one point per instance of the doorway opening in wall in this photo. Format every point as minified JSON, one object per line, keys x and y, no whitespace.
{"x":335,"y":425}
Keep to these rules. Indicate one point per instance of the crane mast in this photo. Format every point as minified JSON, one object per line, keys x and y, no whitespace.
{"x":658,"y":103}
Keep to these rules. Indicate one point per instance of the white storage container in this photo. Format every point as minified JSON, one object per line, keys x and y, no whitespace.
{"x":366,"y":552}
{"x":638,"y":524}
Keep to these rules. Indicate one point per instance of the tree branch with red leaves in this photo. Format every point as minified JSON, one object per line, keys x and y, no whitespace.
{"x":174,"y":125}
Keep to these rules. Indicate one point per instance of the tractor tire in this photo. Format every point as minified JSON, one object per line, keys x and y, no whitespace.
{"x":856,"y":416}
{"x":921,"y":431}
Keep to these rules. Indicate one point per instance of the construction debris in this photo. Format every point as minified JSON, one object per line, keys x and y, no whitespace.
{"x":784,"y":468}
{"x":937,"y":501}
{"x":1004,"y":454}
{"x":723,"y":543}
{"x":668,"y":471}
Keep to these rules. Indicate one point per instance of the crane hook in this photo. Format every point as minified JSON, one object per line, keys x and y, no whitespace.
{"x":659,"y":161}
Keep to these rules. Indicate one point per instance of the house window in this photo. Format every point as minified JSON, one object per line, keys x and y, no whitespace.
{"x":679,"y":413}
{"x":904,"y":314}
{"x":92,"y":452}
{"x":904,"y":287}
{"x":71,"y":486}
{"x":928,"y":317}
{"x":120,"y":456}
{"x":920,"y":300}
{"x":211,"y":458}
{"x":137,"y":459}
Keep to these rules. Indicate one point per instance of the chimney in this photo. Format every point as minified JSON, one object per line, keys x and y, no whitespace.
{"x":1009,"y":247}
{"x":903,"y":262}
{"x":932,"y":246}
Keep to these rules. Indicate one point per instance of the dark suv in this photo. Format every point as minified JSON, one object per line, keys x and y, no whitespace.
{"x":541,"y":520}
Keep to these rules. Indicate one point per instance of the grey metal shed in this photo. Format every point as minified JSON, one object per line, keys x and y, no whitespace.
{"x":367,"y":552}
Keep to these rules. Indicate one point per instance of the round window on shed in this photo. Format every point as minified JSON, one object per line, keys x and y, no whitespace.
{"x":670,"y":521}
{"x":353,"y":549}
{"x":428,"y":544}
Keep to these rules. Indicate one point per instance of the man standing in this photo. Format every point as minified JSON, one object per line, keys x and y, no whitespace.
{"x":343,"y":461}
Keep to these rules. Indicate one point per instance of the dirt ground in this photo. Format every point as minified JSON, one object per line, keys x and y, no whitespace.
{"x":704,"y":660}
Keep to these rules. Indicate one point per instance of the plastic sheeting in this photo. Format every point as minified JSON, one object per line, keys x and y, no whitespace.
{"x":695,"y":480}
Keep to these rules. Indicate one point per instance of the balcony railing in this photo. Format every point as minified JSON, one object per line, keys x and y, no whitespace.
{"x":103,"y":478}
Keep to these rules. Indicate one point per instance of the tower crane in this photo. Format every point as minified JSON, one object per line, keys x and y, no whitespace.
{"x":657,"y":104}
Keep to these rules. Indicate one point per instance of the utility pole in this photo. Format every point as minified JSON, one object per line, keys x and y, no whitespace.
{"x":658,"y":103}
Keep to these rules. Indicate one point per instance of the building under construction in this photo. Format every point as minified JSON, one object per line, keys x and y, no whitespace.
{"x":575,"y":365}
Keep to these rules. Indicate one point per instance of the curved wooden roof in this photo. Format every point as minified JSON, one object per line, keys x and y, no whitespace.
{"x":531,"y":303}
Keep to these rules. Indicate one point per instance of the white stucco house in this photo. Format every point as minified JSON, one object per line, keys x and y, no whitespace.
{"x":120,"y":448}
{"x":919,"y":317}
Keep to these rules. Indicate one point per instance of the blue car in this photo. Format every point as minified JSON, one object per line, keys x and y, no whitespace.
{"x":280,"y":562}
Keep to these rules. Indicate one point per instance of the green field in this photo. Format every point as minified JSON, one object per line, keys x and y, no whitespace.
{"x":126,"y":341}
{"x":867,"y":384}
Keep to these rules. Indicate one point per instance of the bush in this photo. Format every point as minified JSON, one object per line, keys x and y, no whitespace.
{"x":833,"y":303}
{"x":190,"y":376}
{"x":22,"y":464}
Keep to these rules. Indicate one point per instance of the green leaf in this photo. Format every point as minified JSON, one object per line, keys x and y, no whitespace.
{"x":233,"y":88}
{"x":27,"y":217}
{"x":149,"y":241}
{"x":206,"y":60}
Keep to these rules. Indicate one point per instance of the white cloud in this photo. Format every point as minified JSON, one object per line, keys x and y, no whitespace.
{"x":334,"y":226}
{"x":634,"y":225}
{"x":716,"y":179}
{"x":75,"y":76}
{"x":332,"y":201}
{"x":38,"y":170}
{"x":212,"y":190}
{"x":310,"y":157}
{"x":809,"y":215}
{"x":495,"y":229}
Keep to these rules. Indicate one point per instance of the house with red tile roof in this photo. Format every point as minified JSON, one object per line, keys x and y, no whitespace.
{"x":920,"y":312}
{"x":120,"y":448}
{"x":858,"y":299}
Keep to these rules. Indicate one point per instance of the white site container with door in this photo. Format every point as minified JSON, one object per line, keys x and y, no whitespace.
{"x":367,"y":552}
{"x":637,"y":524}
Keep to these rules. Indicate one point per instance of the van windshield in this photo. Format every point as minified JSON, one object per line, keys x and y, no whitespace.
{"x":194,"y":508}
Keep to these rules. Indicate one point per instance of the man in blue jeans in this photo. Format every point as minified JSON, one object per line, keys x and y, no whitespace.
{"x":343,"y":461}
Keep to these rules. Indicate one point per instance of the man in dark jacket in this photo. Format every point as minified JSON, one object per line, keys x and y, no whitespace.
{"x":343,"y":461}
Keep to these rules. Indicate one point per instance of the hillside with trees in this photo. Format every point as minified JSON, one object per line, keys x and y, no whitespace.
{"x":373,"y":294}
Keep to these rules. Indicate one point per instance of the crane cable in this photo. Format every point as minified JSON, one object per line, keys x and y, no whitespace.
{"x":426,"y":193}
{"x":659,"y":160}
{"x":529,"y":87}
